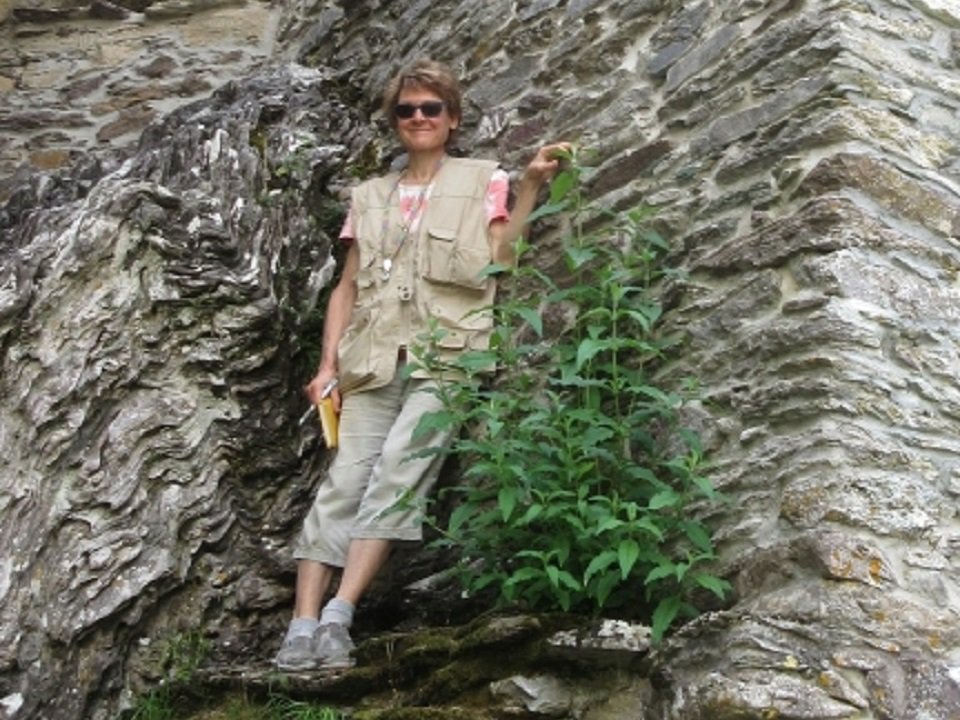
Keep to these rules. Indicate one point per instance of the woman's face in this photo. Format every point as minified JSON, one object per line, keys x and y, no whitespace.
{"x":421,"y":132}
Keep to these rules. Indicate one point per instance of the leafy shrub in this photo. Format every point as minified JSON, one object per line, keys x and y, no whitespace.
{"x":577,"y":477}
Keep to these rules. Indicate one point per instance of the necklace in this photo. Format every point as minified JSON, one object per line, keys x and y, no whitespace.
{"x":407,"y":221}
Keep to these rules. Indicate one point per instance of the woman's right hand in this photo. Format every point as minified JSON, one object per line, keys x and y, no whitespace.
{"x":314,"y":389}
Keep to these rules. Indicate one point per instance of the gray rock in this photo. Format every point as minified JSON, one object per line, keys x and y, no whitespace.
{"x":104,"y":10}
{"x":604,"y":643}
{"x":541,"y":695}
{"x":703,"y":56}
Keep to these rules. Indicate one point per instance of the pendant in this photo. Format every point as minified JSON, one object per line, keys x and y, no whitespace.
{"x":387,"y":267}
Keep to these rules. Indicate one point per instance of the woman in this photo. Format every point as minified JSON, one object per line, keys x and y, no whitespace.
{"x":418,"y":240}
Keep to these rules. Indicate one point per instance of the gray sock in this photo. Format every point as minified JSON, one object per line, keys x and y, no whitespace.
{"x":301,"y":627}
{"x":337,"y":611}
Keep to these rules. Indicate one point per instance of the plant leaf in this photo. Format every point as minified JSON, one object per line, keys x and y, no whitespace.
{"x":546,"y":211}
{"x":561,"y":184}
{"x":569,"y":581}
{"x":627,"y":555}
{"x":532,"y":513}
{"x":578,"y":257}
{"x":659,"y":572}
{"x":647,"y":524}
{"x":663,"y":616}
{"x":717,"y":586}
{"x":600,"y":563}
{"x":664,"y":498}
{"x":588,"y":348}
{"x":697,"y":535}
{"x":507,"y":501}
{"x":494,"y":269}
{"x":430,"y":422}
{"x":553,"y":572}
{"x":524,"y":574}
{"x":458,"y":517}
{"x":532,"y":317}
{"x":477,"y":360}
{"x":606,"y":586}
{"x":655,"y":239}
{"x":608,"y":523}
{"x":705,"y":486}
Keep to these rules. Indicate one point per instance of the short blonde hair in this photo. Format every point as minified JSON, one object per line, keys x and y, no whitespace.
{"x":424,"y":73}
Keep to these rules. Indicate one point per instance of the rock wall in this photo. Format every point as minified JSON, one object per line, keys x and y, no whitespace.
{"x":152,"y":460}
{"x":804,"y":159}
{"x":80,"y":78}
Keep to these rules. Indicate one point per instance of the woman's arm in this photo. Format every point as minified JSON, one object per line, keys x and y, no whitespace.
{"x":336,"y":320}
{"x":504,"y":233}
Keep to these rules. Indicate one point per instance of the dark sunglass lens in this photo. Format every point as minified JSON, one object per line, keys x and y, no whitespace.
{"x":405,"y":111}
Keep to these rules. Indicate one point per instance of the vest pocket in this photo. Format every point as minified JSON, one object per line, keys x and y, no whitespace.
{"x":455,"y":308}
{"x":450,"y":261}
{"x":452,"y":340}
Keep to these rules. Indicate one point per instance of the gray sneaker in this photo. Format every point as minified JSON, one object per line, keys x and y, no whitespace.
{"x":296,"y":654}
{"x":332,"y":645}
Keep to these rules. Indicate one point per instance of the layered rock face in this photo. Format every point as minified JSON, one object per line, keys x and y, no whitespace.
{"x":804,"y":160}
{"x":80,"y":78}
{"x":153,"y":464}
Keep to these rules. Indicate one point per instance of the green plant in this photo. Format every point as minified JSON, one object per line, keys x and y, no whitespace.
{"x":295,"y":166}
{"x":155,"y":705}
{"x":183,"y":654}
{"x":578,"y":478}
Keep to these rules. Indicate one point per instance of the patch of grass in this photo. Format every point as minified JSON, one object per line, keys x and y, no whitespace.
{"x":282,"y":707}
{"x":276,"y":707}
{"x":155,"y":705}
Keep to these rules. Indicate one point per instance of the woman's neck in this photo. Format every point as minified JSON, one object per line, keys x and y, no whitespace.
{"x":421,"y":167}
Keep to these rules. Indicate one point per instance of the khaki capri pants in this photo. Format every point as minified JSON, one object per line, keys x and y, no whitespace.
{"x":372,"y":470}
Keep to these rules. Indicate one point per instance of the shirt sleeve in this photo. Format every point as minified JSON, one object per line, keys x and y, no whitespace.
{"x":495,"y":201}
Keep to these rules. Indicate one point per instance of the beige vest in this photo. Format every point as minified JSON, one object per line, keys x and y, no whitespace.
{"x":435,"y":273}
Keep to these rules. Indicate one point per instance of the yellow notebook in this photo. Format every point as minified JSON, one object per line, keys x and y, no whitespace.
{"x":329,"y":422}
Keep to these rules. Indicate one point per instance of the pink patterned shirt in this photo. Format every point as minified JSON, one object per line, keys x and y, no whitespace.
{"x":414,"y":200}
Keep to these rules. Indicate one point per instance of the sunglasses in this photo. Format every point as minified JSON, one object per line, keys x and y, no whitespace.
{"x":431,"y":109}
